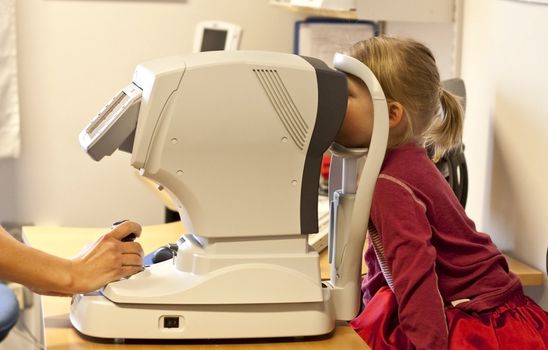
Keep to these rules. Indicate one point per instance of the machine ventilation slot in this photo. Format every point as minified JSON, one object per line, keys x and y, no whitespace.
{"x":284,"y":106}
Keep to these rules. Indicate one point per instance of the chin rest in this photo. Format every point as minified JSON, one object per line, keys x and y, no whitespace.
{"x":9,"y":311}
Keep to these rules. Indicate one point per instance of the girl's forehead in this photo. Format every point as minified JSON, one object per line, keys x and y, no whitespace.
{"x":352,"y":80}
{"x":355,"y":82}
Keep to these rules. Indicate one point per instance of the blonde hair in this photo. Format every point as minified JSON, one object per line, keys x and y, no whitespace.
{"x":407,"y":72}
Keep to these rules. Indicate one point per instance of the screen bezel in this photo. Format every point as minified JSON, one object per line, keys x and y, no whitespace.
{"x":233,"y":34}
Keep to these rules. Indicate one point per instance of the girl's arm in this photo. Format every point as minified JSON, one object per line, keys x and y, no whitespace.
{"x":104,"y":260}
{"x":400,"y":218}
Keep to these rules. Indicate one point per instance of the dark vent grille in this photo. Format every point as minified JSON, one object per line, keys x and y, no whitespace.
{"x":288,"y":113}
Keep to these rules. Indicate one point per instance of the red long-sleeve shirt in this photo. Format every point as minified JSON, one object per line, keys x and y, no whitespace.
{"x":423,"y":245}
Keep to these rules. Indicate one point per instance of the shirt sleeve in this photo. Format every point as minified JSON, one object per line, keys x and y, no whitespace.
{"x":405,"y":234}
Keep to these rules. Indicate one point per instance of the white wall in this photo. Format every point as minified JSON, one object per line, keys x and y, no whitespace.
{"x":73,"y":56}
{"x":476,"y":72}
{"x":506,"y":132}
{"x":439,"y":37}
{"x":8,"y":199}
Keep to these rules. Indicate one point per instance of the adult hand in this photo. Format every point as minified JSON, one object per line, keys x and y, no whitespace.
{"x":107,"y":259}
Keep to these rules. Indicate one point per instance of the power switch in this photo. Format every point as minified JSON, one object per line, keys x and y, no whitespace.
{"x":171,"y":321}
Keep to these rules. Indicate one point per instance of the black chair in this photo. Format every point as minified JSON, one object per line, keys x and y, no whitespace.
{"x":454,"y":169}
{"x":9,"y":311}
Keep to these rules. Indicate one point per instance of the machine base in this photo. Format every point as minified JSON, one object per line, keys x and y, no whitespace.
{"x":96,"y":316}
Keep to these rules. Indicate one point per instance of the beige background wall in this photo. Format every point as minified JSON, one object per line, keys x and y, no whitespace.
{"x":506,"y":134}
{"x":73,"y":56}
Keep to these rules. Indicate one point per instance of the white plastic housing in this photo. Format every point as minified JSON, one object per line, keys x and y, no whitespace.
{"x":237,"y":174}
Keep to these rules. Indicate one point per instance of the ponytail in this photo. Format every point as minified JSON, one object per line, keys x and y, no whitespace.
{"x":445,"y":132}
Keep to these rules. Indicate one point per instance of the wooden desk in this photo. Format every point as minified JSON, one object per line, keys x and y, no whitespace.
{"x":60,"y":335}
{"x":528,"y":275}
{"x":68,"y":241}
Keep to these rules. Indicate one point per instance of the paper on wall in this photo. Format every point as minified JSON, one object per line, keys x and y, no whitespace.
{"x":323,"y":40}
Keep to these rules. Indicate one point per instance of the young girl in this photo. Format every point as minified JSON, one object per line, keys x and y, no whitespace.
{"x":434,"y":282}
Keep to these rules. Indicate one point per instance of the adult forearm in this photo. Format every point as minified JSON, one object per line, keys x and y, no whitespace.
{"x":33,"y":268}
{"x":104,"y":260}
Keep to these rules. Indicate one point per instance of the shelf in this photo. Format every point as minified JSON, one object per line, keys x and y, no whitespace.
{"x":317,"y":12}
{"x":420,"y":11}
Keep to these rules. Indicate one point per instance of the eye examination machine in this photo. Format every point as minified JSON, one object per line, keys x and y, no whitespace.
{"x":236,"y":138}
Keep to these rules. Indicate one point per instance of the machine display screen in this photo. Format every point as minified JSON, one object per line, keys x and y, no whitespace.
{"x":213,"y":40}
{"x":108,"y":111}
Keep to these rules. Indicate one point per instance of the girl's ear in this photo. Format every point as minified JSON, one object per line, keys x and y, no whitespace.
{"x":396,"y":112}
